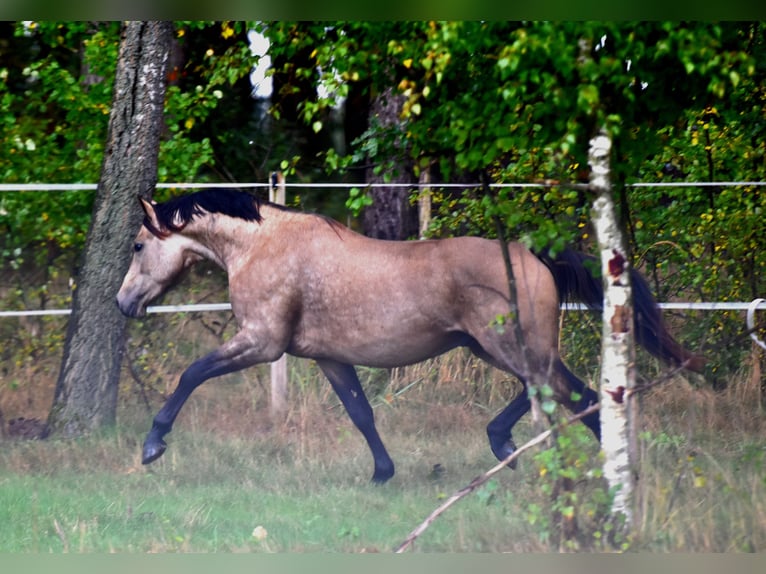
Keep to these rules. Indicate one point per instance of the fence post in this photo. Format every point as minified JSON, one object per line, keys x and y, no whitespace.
{"x":424,"y":201}
{"x":278,"y":367}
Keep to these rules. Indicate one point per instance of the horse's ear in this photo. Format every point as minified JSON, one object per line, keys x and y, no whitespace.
{"x":151,"y":216}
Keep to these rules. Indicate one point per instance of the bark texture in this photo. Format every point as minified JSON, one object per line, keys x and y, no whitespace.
{"x":391,"y":215}
{"x":86,"y":390}
{"x":617,"y":348}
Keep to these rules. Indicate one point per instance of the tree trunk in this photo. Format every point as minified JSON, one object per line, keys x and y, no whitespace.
{"x":391,"y":215}
{"x":86,"y":391}
{"x":618,"y":403}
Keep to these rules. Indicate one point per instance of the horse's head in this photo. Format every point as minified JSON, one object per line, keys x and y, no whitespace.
{"x":159,"y":257}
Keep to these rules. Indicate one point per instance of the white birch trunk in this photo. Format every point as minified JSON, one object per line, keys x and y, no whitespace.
{"x":617,"y":351}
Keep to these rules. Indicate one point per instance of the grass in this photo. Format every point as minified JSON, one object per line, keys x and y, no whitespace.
{"x":211,"y":491}
{"x":232,"y":481}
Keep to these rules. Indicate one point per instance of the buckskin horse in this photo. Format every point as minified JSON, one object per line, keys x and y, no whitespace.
{"x":306,"y":285}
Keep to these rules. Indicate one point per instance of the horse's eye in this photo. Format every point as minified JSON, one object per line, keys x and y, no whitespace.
{"x":138,"y":247}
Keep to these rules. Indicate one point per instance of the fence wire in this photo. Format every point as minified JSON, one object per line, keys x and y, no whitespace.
{"x":9,"y":187}
{"x":207,"y":307}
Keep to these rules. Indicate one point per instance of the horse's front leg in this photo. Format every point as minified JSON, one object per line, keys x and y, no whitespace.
{"x":346,"y":384}
{"x":239,"y":352}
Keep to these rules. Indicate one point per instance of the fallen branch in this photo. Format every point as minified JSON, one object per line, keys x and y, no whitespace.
{"x":482,"y":478}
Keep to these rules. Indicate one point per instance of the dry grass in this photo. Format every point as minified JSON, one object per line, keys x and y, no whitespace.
{"x":702,"y":481}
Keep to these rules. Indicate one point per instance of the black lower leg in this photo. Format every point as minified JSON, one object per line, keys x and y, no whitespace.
{"x":592,"y":421}
{"x":346,"y":384}
{"x":587,"y":398}
{"x":499,"y":429}
{"x":154,"y":445}
{"x":195,"y":375}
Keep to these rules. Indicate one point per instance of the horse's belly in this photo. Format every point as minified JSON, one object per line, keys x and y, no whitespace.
{"x":383,"y":350}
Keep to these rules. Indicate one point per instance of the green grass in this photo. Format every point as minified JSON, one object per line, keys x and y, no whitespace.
{"x":228,"y":470}
{"x":209,"y":493}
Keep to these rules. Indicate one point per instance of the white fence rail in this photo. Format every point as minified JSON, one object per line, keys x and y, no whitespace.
{"x":751,"y":308}
{"x":758,"y":304}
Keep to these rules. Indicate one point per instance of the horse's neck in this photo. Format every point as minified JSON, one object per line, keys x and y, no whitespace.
{"x":218,"y":238}
{"x":228,"y":240}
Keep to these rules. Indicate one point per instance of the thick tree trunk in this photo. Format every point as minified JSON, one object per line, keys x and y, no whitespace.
{"x":391,"y":215}
{"x":86,"y":390}
{"x":618,"y":403}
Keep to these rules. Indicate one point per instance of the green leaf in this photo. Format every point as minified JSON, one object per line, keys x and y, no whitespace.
{"x":548,"y":406}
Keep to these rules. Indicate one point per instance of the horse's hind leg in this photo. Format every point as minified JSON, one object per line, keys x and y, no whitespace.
{"x":563,"y":382}
{"x":346,"y":384}
{"x":499,"y":428}
{"x":587,"y":398}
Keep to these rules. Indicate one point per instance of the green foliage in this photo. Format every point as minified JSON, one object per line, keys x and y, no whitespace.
{"x":521,"y":98}
{"x":579,"y":516}
{"x":55,"y":117}
{"x":705,"y":242}
{"x":357,"y":200}
{"x":519,"y":101}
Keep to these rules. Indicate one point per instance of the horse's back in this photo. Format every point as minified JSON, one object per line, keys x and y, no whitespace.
{"x":452,"y":273}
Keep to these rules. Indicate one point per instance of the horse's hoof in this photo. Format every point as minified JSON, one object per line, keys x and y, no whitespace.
{"x":153,"y":451}
{"x":505,"y":451}
{"x":382,"y":475}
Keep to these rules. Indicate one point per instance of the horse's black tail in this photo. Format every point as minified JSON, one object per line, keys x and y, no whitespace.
{"x":577,"y":278}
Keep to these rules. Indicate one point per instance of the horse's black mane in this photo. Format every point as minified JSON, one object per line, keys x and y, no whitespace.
{"x":176,"y":213}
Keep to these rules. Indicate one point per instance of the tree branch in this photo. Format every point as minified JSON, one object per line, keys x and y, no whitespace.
{"x":482,"y":478}
{"x":542,"y":437}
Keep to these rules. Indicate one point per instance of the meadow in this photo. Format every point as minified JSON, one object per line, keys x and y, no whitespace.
{"x":233,"y":480}
{"x":236,"y":480}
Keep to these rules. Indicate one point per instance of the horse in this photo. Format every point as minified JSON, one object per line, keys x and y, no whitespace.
{"x":306,"y":285}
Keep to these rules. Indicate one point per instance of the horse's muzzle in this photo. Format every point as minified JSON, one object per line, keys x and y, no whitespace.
{"x":131,"y":308}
